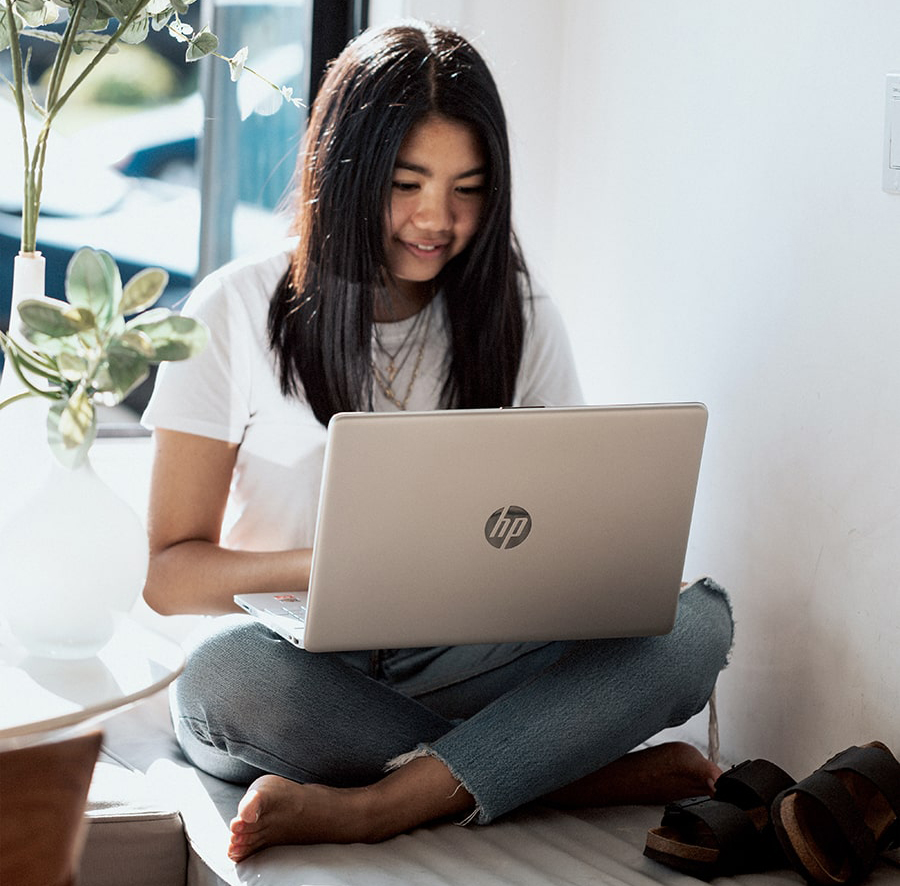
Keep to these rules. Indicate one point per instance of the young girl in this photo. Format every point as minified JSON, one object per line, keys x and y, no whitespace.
{"x":404,"y":288}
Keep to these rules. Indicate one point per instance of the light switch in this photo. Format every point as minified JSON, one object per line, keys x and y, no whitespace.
{"x":891,"y":172}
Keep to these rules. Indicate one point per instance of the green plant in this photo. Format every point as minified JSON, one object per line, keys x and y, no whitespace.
{"x":97,"y":26}
{"x":83,"y":351}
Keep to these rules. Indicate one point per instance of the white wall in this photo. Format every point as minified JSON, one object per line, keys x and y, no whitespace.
{"x":744,"y":254}
{"x":699,"y":184}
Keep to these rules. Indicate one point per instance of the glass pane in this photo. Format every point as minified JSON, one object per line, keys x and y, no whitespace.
{"x":123,"y":169}
{"x":251,"y":134}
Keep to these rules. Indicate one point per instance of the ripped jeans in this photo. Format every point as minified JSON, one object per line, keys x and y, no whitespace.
{"x":512,"y":721}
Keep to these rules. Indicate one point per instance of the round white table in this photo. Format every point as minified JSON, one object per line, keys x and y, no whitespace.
{"x":43,"y":697}
{"x":49,"y":742}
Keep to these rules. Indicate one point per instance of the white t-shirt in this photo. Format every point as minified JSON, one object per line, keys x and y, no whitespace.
{"x":231,"y":392}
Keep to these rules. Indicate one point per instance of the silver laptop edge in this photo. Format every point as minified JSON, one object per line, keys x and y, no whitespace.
{"x":471,"y":526}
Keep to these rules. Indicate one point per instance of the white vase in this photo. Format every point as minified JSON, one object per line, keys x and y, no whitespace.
{"x":70,"y":557}
{"x":29,"y":274}
{"x":24,"y":454}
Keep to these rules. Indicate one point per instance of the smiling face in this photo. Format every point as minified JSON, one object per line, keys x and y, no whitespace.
{"x":437,"y":194}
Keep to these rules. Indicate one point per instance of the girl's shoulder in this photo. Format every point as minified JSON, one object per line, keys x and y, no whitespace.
{"x":542,"y":315}
{"x":246,"y":283}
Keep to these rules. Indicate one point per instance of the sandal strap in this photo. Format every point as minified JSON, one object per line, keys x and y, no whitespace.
{"x":877,"y":766}
{"x":736,"y":837}
{"x":752,"y":783}
{"x":826,"y":788}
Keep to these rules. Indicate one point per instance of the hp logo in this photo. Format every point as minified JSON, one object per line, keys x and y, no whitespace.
{"x":507,"y":527}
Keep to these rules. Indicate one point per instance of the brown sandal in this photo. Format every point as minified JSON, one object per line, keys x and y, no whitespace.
{"x":730,"y":833}
{"x":834,"y":824}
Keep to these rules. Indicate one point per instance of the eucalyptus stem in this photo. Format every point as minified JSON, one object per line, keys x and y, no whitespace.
{"x":34,"y":362}
{"x":60,"y":63}
{"x":29,"y":221}
{"x":33,"y":390}
{"x":249,"y":70}
{"x":180,"y":36}
{"x":15,"y":398}
{"x":34,"y":176}
{"x":101,"y":53}
{"x":58,"y":94}
{"x":24,"y":361}
{"x":63,"y":54}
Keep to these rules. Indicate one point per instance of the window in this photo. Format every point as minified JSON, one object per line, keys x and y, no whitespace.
{"x":178,"y":166}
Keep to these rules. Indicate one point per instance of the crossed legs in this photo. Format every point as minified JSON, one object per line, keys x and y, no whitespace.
{"x":553,"y":722}
{"x":276,"y":810}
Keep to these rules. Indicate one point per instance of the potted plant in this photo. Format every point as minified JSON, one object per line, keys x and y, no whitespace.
{"x":75,"y":553}
{"x":95,"y":347}
{"x":59,"y":579}
{"x":97,"y":27}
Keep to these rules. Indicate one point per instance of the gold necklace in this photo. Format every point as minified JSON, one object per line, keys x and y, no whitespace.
{"x":392,"y":369}
{"x":386,"y":383}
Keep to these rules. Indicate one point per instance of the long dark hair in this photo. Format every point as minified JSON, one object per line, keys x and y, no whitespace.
{"x":321,"y":317}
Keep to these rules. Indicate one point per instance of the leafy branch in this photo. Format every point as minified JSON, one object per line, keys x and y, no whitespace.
{"x":86,"y":24}
{"x":85,"y":351}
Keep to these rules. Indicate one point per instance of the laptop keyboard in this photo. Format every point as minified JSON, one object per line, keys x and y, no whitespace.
{"x":296,"y":611}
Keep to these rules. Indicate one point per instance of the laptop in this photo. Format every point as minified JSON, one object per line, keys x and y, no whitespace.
{"x":496,"y":525}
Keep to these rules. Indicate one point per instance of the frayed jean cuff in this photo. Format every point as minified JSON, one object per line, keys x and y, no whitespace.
{"x":477,"y":814}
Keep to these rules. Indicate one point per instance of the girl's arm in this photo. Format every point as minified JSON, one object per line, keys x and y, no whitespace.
{"x":189,"y":571}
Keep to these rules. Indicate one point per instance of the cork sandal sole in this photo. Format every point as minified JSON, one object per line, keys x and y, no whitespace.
{"x":728,"y":834}
{"x":834,"y":824}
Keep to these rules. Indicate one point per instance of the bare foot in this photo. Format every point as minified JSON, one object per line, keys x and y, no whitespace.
{"x":275,"y":810}
{"x":652,"y":776}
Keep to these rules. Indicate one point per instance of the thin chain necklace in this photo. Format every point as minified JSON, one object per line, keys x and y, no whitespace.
{"x":385,"y":382}
{"x":392,"y":368}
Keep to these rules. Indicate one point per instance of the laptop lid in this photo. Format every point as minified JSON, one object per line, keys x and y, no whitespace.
{"x":475,"y":526}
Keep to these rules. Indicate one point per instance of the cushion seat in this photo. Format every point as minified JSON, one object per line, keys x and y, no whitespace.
{"x":134,"y":834}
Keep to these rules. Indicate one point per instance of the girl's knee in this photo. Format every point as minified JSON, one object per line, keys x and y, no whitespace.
{"x":228,"y":689}
{"x":699,"y":646}
{"x":224,"y":665}
{"x":705,"y":619}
